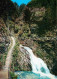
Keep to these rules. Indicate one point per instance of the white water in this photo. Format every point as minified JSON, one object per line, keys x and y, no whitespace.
{"x":38,"y":65}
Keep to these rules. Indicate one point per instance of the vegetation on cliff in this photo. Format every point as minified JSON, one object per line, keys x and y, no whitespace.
{"x":33,"y":25}
{"x":49,"y":19}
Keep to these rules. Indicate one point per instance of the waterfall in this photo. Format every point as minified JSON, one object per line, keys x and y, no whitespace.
{"x":38,"y":65}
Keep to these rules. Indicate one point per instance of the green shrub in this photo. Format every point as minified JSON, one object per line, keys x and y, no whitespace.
{"x":14,"y":65}
{"x":16,"y":29}
{"x":12,"y":75}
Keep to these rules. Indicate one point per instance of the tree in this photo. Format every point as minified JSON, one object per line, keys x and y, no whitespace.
{"x":7,"y":8}
{"x":21,"y":8}
{"x":27,"y":16}
{"x":49,"y":20}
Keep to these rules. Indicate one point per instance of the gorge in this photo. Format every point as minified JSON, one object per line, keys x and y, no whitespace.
{"x":38,"y":65}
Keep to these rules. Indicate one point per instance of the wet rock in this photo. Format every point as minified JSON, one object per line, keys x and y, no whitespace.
{"x":24,"y":62}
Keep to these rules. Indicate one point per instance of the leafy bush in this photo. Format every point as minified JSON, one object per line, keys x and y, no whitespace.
{"x":16,"y":29}
{"x":27,"y":15}
{"x":49,"y":21}
{"x":14,"y":65}
{"x":12,"y":75}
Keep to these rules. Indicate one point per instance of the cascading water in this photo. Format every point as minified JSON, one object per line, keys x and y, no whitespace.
{"x":38,"y":65}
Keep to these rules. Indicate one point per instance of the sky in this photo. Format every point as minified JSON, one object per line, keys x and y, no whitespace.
{"x":19,"y":2}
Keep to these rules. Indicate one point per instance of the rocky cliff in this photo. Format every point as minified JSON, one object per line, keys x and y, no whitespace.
{"x":43,"y":42}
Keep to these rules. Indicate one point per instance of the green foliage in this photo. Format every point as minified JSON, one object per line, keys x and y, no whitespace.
{"x":16,"y":29}
{"x":21,"y":8}
{"x":14,"y":65}
{"x":2,"y":48}
{"x":25,"y":35}
{"x":44,"y":26}
{"x":12,"y":75}
{"x":27,"y":15}
{"x":50,"y":6}
{"x":6,"y":8}
{"x":16,"y":50}
{"x":10,"y":24}
{"x":39,"y":53}
{"x":3,"y":58}
{"x":48,"y":22}
{"x":41,"y":3}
